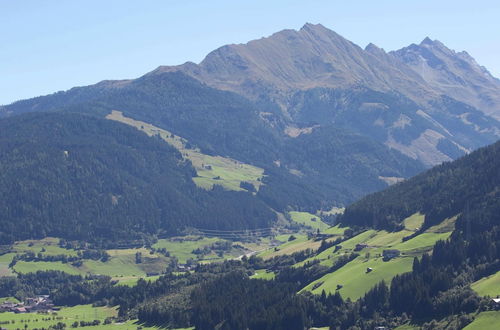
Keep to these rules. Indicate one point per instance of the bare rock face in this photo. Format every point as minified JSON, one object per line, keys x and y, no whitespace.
{"x":315,"y":56}
{"x":426,"y":101}
{"x":293,"y":60}
{"x":296,"y":69}
{"x":455,"y":74}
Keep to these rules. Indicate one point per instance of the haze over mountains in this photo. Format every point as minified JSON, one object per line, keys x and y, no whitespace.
{"x":326,"y":120}
{"x":425,"y":123}
{"x":251,"y":191}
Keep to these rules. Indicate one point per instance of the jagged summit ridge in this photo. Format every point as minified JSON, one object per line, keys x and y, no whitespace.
{"x":425,"y":100}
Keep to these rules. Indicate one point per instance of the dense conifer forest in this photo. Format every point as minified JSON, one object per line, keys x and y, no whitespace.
{"x":84,"y":178}
{"x":333,"y":166}
{"x":467,"y":187}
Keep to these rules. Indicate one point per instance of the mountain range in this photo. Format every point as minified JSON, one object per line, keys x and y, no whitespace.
{"x":426,"y":101}
{"x":443,"y":99}
{"x":326,"y":120}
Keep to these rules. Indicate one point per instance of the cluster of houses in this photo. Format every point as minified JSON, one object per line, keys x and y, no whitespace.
{"x":388,"y":254}
{"x":30,"y":305}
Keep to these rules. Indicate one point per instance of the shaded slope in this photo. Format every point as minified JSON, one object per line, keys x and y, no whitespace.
{"x":226,"y":124}
{"x":455,"y":74}
{"x":79,"y":177}
{"x":315,"y":62}
{"x":469,"y":186}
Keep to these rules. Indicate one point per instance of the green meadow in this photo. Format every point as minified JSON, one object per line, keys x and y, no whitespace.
{"x":485,"y":321}
{"x":356,"y":281}
{"x":182,"y":247}
{"x":132,"y":280}
{"x":34,"y":266}
{"x":5,"y":260}
{"x":422,"y":242}
{"x":262,"y":274}
{"x":11,"y":299}
{"x":69,"y":315}
{"x":414,"y":222}
{"x":335,"y":230}
{"x":48,"y":246}
{"x":488,"y":286}
{"x":354,"y":278}
{"x":407,"y":326}
{"x":300,"y":243}
{"x":121,"y":263}
{"x":309,"y":220}
{"x":66,"y":315}
{"x":211,"y":170}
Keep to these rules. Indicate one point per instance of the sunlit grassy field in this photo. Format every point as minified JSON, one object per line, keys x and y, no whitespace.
{"x":66,"y":315}
{"x":488,"y":286}
{"x":485,"y":321}
{"x":182,"y":248}
{"x":308,"y":219}
{"x":354,"y":278}
{"x":32,"y":267}
{"x":300,"y":243}
{"x":263,"y":275}
{"x":211,"y":170}
{"x":356,"y":281}
{"x":48,"y":246}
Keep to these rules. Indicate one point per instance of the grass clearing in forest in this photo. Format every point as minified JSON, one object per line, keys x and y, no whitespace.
{"x":49,"y":246}
{"x":356,"y":281}
{"x":308,"y":219}
{"x":262,"y":274}
{"x":355,"y":278}
{"x":34,"y":266}
{"x":407,"y":326}
{"x":182,"y":247}
{"x":67,"y":315}
{"x":485,"y":321}
{"x":132,"y":280}
{"x":5,"y":260}
{"x":414,"y":222}
{"x":300,"y":243}
{"x":335,"y":230}
{"x":211,"y":170}
{"x":488,"y":286}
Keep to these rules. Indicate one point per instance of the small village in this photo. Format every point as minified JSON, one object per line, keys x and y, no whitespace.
{"x":38,"y":304}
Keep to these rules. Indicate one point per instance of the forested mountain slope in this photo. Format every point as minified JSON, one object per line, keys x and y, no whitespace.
{"x":226,"y":124}
{"x":469,"y":186}
{"x":296,"y":81}
{"x":453,"y":101}
{"x":80,"y":177}
{"x":456,"y":74}
{"x":427,"y":286}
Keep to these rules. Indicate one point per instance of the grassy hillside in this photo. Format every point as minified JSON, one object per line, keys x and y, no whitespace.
{"x":354,"y":279}
{"x":79,"y":177}
{"x":309,"y":220}
{"x":69,"y":315}
{"x":329,"y":166}
{"x":488,"y":286}
{"x":122,"y":264}
{"x":210,"y":170}
{"x":300,"y":243}
{"x":485,"y":321}
{"x":445,"y":191}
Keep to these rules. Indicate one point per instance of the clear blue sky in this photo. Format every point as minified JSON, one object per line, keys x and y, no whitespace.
{"x":49,"y":45}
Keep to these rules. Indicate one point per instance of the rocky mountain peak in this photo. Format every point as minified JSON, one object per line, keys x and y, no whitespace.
{"x":313,"y":27}
{"x":427,"y":41}
{"x":314,"y":56}
{"x":374,"y":49}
